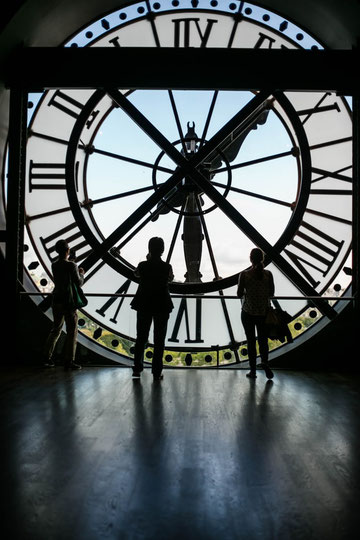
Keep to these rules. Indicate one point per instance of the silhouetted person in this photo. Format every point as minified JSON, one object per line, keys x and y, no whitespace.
{"x":153,"y":303}
{"x":64,"y":271}
{"x":256,"y":286}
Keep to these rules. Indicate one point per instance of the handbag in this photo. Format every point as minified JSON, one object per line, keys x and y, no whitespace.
{"x":77,"y":298}
{"x":276,"y":325}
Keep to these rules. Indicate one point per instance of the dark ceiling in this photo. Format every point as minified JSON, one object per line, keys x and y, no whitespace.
{"x":47,"y":22}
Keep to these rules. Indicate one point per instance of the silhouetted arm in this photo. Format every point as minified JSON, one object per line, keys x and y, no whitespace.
{"x":241,"y":286}
{"x":76,"y":276}
{"x":271,"y":285}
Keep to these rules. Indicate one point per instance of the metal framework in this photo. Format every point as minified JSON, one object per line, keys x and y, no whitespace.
{"x":41,"y":68}
{"x":179,"y":68}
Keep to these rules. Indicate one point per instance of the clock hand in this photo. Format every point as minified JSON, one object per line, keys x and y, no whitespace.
{"x":186,"y":167}
{"x":272,"y":253}
{"x":231,"y":146}
{"x":192,"y":237}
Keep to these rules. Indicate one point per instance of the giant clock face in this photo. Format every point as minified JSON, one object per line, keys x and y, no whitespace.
{"x":212,"y":172}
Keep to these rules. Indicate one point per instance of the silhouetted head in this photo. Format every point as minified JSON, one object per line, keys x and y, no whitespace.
{"x":256,"y":256}
{"x":257,"y":261}
{"x":156,"y":246}
{"x":62,"y":248}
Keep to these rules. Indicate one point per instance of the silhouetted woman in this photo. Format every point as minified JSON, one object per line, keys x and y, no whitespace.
{"x":63,"y":271}
{"x":256,"y":286}
{"x":153,"y":303}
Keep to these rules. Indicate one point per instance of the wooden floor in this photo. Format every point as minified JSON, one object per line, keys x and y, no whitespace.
{"x":201,"y":455}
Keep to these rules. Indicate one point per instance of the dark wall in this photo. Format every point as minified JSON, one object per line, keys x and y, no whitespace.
{"x":333,"y":348}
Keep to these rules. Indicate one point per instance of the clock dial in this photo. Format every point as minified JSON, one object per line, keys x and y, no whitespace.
{"x":212,"y":172}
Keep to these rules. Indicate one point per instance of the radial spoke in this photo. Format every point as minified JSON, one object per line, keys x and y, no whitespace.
{"x":91,"y":202}
{"x":177,"y":120}
{"x":209,"y":116}
{"x":130,"y":160}
{"x":252,"y":194}
{"x":207,"y":238}
{"x":176,"y":232}
{"x":255,"y":161}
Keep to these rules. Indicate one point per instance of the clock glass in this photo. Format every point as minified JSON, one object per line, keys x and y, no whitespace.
{"x":212,"y":172}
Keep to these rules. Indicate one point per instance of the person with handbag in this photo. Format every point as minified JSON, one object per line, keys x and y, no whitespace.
{"x":153,"y":304}
{"x":68,"y":279}
{"x":255,"y":288}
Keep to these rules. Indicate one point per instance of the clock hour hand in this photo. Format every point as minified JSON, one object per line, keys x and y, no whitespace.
{"x":232,"y":144}
{"x":192,"y":238}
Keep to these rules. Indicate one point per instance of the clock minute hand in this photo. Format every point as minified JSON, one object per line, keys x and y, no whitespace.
{"x":186,"y":167}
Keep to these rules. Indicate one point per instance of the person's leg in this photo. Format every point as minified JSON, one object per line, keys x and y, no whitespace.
{"x":249,"y":327}
{"x":160,"y":327}
{"x":263,"y":346}
{"x":71,"y":319}
{"x":262,"y":339}
{"x":143,"y":323}
{"x":58,"y":321}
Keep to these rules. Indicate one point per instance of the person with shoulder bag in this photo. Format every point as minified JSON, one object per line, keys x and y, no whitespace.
{"x":67,"y":297}
{"x":255,"y":288}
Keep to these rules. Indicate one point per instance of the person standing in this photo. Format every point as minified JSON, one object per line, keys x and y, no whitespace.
{"x":255,"y":287}
{"x":64,"y":272}
{"x":153,"y":303}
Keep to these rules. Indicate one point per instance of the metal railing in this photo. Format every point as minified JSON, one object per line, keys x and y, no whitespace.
{"x":203,"y":296}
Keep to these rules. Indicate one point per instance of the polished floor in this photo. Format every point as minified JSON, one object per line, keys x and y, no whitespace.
{"x":200,"y":455}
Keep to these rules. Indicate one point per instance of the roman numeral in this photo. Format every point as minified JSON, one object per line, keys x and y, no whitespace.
{"x":314,"y":253}
{"x":70,"y":106}
{"x":48,"y":175}
{"x":264,"y":41}
{"x":184,"y":313}
{"x":318,"y":109}
{"x":334,"y":142}
{"x":113,"y":299}
{"x":71,"y":233}
{"x":337,"y":175}
{"x":115,"y":41}
{"x":184,"y":29}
